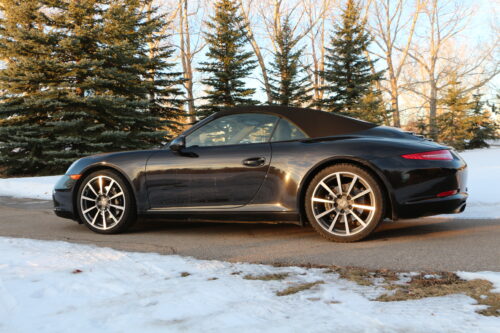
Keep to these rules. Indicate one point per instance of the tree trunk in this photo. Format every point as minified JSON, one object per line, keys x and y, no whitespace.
{"x":258,"y":53}
{"x":318,"y":64}
{"x":394,"y":98}
{"x":186,"y":56}
{"x":433,"y":110}
{"x":262,"y":64}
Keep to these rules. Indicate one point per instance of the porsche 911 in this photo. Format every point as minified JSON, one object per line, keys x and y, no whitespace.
{"x":275,"y":164}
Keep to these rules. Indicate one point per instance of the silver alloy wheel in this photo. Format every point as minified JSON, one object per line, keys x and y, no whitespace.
{"x":102,"y":202}
{"x":343,"y":203}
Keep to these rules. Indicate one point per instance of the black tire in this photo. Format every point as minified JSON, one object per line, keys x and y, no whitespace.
{"x":322,"y":213}
{"x":113,"y":184}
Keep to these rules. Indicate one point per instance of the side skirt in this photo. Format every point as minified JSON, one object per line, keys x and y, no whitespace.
{"x":228,"y":217}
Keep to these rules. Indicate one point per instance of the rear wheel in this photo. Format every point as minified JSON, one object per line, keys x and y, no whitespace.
{"x":104,"y":203}
{"x":344,"y":203}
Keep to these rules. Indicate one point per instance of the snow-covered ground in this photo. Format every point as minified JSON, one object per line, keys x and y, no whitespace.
{"x":483,"y":184}
{"x":28,"y":187}
{"x":60,"y":287}
{"x":48,"y":286}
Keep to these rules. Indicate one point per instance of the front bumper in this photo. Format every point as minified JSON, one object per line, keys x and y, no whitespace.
{"x":62,"y":197}
{"x":63,"y":204}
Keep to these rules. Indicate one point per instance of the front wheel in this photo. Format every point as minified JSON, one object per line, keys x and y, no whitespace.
{"x":104,"y":203}
{"x":344,"y":203}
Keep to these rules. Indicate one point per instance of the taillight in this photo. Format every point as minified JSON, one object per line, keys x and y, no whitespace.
{"x":446,"y":193}
{"x":436,"y":155}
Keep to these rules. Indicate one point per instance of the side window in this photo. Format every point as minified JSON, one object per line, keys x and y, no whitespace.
{"x":234,"y":129}
{"x":287,"y":131}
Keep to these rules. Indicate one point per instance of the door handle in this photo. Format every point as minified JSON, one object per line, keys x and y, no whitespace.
{"x":254,"y":161}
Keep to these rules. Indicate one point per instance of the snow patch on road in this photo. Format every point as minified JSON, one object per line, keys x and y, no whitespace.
{"x":48,"y":286}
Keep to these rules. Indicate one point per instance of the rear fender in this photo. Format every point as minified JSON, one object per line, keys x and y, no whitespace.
{"x":374,"y":170}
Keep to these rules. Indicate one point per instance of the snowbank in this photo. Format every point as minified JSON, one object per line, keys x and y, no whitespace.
{"x":59,"y":287}
{"x":28,"y":187}
{"x":483,"y":184}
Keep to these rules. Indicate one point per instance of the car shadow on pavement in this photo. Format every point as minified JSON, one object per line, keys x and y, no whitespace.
{"x":424,"y":227}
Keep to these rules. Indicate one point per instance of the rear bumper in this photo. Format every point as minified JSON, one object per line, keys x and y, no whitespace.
{"x":449,"y":205}
{"x":416,"y":185}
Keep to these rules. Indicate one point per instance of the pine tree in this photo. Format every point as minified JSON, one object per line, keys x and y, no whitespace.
{"x":229,"y":64}
{"x":348,"y":72}
{"x":288,"y":82}
{"x":494,"y":107}
{"x":166,"y":100}
{"x":482,"y":127}
{"x":421,"y":127}
{"x":29,"y":81}
{"x":372,"y":107}
{"x":453,"y":122}
{"x":92,"y":84}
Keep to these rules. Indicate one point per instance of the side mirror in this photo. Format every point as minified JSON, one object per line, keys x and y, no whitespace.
{"x":178,"y":144}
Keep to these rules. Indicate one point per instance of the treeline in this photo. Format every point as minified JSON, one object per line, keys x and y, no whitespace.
{"x":465,"y":121}
{"x":82,"y":77}
{"x":90,"y":76}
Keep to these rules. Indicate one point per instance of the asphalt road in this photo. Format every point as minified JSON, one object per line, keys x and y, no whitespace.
{"x":424,"y":244}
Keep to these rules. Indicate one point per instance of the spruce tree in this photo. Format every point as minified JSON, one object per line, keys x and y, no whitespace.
{"x":93,"y":83}
{"x":29,"y":80}
{"x":422,"y":127}
{"x":481,"y":125}
{"x":288,"y":80}
{"x":349,"y":80}
{"x":453,"y":122}
{"x":229,"y":64}
{"x":372,"y":107}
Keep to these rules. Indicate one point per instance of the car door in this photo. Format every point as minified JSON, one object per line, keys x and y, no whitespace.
{"x":222,"y":166}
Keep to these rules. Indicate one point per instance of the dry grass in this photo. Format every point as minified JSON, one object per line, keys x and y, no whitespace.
{"x":266,"y":277}
{"x":442,"y":284}
{"x":358,"y":275}
{"x":427,"y":284}
{"x":363,"y":277}
{"x":298,"y":288}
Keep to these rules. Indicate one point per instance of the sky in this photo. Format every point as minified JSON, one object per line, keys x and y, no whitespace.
{"x":488,"y":11}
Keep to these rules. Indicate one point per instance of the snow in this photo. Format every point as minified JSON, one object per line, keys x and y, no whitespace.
{"x":28,"y":187}
{"x":493,"y":277}
{"x":483,"y":182}
{"x":49,"y":286}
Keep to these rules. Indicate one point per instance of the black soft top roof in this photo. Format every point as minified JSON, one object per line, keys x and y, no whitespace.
{"x":314,"y":123}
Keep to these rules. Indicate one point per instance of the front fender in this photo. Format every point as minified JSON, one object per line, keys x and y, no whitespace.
{"x":130,"y":165}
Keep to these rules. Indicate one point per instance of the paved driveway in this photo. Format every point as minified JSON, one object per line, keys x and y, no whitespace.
{"x":423,"y":244}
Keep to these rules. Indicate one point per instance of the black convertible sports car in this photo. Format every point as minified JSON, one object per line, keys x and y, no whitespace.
{"x":270,"y":164}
